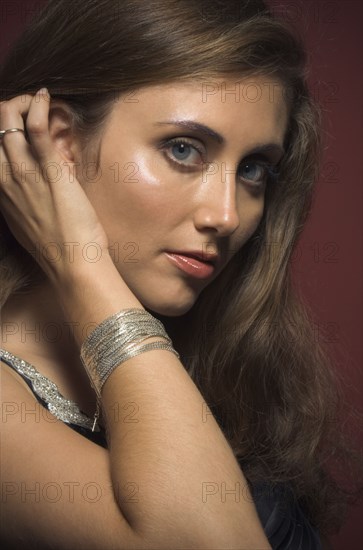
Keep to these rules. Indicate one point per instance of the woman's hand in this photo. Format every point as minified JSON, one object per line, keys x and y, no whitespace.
{"x":41,"y":200}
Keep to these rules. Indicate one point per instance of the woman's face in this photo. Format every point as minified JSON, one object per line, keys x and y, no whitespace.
{"x":183,"y":169}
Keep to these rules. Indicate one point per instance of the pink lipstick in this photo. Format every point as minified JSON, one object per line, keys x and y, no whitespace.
{"x":196,"y":268}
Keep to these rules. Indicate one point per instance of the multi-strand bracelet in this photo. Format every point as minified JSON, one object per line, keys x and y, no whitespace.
{"x":117,"y":339}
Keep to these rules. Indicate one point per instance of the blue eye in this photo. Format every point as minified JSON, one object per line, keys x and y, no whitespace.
{"x":190,"y":155}
{"x":184,"y":153}
{"x":181,"y":151}
{"x":253,"y":172}
{"x":257,"y":172}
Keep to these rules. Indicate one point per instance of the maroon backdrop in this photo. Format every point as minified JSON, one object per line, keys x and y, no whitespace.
{"x":328,"y":260}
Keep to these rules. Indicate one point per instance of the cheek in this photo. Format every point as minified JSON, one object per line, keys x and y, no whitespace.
{"x":134,"y":195}
{"x":256,"y":217}
{"x":251,"y":212}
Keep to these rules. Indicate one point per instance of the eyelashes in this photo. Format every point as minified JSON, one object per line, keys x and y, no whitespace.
{"x":188,"y":155}
{"x":178,"y":151}
{"x":267,"y":171}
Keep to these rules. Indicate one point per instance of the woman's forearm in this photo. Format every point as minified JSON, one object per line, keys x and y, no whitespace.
{"x":172,"y":468}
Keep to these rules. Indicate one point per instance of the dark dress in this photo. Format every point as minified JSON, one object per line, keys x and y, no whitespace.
{"x":282,"y":518}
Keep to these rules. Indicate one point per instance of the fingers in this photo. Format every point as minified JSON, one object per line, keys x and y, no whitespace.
{"x":11,"y":113}
{"x":37,"y":125}
{"x":11,"y":116}
{"x":20,"y":156}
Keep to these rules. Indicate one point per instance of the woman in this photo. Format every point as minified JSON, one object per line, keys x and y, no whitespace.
{"x":156,"y":189}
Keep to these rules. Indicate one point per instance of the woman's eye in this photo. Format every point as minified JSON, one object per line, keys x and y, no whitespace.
{"x":256,"y":172}
{"x":183,"y":152}
{"x":189,"y":155}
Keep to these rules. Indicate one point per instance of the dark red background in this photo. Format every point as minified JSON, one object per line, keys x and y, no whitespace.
{"x":328,"y":260}
{"x":328,"y":266}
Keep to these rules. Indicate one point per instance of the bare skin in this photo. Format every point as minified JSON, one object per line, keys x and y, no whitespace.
{"x":146,"y":198}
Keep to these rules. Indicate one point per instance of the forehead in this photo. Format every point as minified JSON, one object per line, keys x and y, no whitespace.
{"x":253,"y":107}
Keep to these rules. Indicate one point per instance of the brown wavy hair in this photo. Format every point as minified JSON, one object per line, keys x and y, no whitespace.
{"x":248,"y":341}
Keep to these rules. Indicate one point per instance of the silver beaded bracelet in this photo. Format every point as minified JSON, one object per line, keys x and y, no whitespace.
{"x":117,"y":339}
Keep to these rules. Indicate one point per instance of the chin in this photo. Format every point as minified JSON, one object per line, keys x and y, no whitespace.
{"x":168,"y":310}
{"x":169,"y":307}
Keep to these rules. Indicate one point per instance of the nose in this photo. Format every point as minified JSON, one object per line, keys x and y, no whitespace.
{"x":217,"y":203}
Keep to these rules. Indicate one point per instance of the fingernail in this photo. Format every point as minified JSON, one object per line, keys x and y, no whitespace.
{"x":43,"y":91}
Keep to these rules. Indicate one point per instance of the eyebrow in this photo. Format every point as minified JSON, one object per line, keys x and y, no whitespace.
{"x":274,"y":148}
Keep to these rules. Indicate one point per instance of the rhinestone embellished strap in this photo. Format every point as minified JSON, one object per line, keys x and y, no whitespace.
{"x":62,"y":408}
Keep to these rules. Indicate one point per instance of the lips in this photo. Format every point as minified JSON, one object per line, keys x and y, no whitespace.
{"x":190,"y":265}
{"x":208,"y":258}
